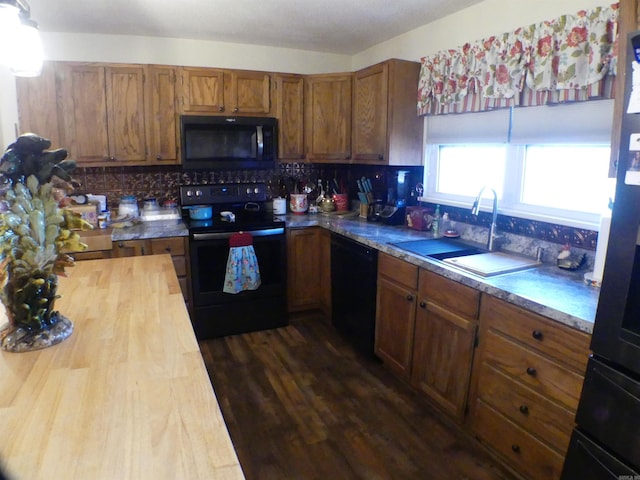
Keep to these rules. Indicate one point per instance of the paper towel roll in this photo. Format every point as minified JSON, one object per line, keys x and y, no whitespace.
{"x":601,"y":248}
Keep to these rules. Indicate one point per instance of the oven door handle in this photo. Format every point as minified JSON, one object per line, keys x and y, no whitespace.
{"x":225,"y":235}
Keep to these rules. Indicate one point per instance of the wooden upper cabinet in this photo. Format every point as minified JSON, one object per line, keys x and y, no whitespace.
{"x":160,"y":102}
{"x":327,"y":122}
{"x":227,"y":92}
{"x":247,"y":92}
{"x":370,"y":88}
{"x":386,"y":127}
{"x":290,"y":114}
{"x":125,"y":113}
{"x":83,"y":103}
{"x":202,"y":90}
{"x":102,"y":113}
{"x":37,"y":105}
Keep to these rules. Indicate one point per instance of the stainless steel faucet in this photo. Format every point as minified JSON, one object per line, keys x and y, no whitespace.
{"x":476,"y":208}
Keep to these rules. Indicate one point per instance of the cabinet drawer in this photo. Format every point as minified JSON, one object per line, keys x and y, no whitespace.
{"x":180,"y":264}
{"x":563,"y":343}
{"x":527,"y":455}
{"x":532,"y":369}
{"x":453,"y":295}
{"x":545,"y":419}
{"x":173,"y":246}
{"x":398,"y":270}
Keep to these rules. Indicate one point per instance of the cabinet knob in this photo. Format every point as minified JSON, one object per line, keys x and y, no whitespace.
{"x":531,"y":371}
{"x":524,"y":409}
{"x":221,"y":108}
{"x":515,"y":448}
{"x":380,"y":157}
{"x":236,"y":109}
{"x":410,"y":298}
{"x":168,"y":249}
{"x":537,"y":334}
{"x":423,"y":304}
{"x":158,"y":157}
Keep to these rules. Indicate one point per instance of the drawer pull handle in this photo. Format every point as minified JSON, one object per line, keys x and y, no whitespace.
{"x":515,"y":448}
{"x":537,"y":334}
{"x":423,"y":304}
{"x":524,"y":409}
{"x":531,"y":371}
{"x":410,"y":298}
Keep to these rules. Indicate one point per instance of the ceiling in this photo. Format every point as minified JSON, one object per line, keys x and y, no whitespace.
{"x":332,"y":26}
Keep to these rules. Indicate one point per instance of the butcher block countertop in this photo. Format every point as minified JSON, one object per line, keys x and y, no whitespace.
{"x":127,"y":396}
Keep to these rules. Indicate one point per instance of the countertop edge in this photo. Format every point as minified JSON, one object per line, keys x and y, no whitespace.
{"x":491,"y":285}
{"x":377,"y":236}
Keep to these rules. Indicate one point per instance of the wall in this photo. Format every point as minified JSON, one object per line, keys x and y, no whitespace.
{"x":478,"y":21}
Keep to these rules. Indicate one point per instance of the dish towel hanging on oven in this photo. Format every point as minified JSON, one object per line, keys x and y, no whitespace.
{"x":243,"y":272}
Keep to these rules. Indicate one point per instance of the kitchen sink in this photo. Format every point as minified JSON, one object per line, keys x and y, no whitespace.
{"x":492,"y":263}
{"x":472,"y":259}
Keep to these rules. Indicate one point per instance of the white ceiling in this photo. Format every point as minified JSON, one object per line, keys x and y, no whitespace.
{"x":333,"y":26}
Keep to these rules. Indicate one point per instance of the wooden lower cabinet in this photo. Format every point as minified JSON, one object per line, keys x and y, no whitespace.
{"x":425,"y":331}
{"x":175,"y":246}
{"x":395,"y":313}
{"x":445,"y":332}
{"x":309,"y":269}
{"x":526,"y":385}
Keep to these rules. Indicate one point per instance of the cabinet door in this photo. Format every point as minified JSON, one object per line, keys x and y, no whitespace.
{"x":370,"y":93}
{"x":203,"y":90}
{"x":125,"y":113}
{"x":327,"y":122}
{"x":248,"y":92}
{"x":442,"y":355}
{"x":37,"y":105}
{"x":131,"y":248}
{"x":395,"y":319}
{"x":84,"y":112}
{"x":304,"y":275}
{"x":290,"y":114}
{"x":160,"y":90}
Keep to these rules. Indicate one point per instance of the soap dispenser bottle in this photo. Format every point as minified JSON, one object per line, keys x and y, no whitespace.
{"x":436,"y":222}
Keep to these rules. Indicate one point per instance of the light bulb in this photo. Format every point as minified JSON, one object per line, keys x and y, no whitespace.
{"x":27,"y":56}
{"x":9,"y":24}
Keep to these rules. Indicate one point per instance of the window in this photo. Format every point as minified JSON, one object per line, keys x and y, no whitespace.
{"x":549,"y":163}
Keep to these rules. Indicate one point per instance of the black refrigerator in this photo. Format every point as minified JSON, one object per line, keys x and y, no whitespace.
{"x":606,"y":442}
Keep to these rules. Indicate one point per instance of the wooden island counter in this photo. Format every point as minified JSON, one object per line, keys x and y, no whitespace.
{"x":127,"y":396}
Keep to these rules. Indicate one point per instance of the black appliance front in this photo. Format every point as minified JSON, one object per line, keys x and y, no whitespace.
{"x":354,"y":269}
{"x":216,"y":142}
{"x":587,"y":460}
{"x":609,"y":409}
{"x":218,"y":314}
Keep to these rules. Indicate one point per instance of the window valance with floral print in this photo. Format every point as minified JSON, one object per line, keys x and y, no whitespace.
{"x":571,"y":58}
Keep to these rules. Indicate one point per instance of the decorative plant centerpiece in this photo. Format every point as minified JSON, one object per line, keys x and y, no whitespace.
{"x":35,"y":238}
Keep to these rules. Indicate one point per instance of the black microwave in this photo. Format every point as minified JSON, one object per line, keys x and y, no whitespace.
{"x":217,"y":142}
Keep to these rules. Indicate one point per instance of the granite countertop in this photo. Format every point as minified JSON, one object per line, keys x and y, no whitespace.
{"x":555,"y":293}
{"x":548,"y":290}
{"x":154,"y":229}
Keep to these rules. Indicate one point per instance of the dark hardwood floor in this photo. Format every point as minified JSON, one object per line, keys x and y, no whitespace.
{"x":299,"y":403}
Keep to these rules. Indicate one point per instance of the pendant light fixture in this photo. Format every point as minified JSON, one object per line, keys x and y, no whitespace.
{"x":20,"y":45}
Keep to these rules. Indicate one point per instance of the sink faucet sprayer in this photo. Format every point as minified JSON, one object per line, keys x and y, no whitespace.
{"x":476,"y":208}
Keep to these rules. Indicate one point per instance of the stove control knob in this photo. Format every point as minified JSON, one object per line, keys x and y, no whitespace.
{"x":248,"y":190}
{"x":198,"y":193}
{"x":256,"y":190}
{"x":189,"y":193}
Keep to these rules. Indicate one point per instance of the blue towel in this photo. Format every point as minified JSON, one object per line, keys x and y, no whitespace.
{"x":243,"y":272}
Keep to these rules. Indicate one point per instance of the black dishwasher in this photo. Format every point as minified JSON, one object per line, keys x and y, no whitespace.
{"x":354,"y":270}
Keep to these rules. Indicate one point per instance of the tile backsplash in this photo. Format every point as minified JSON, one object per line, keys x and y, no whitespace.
{"x":163,"y":182}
